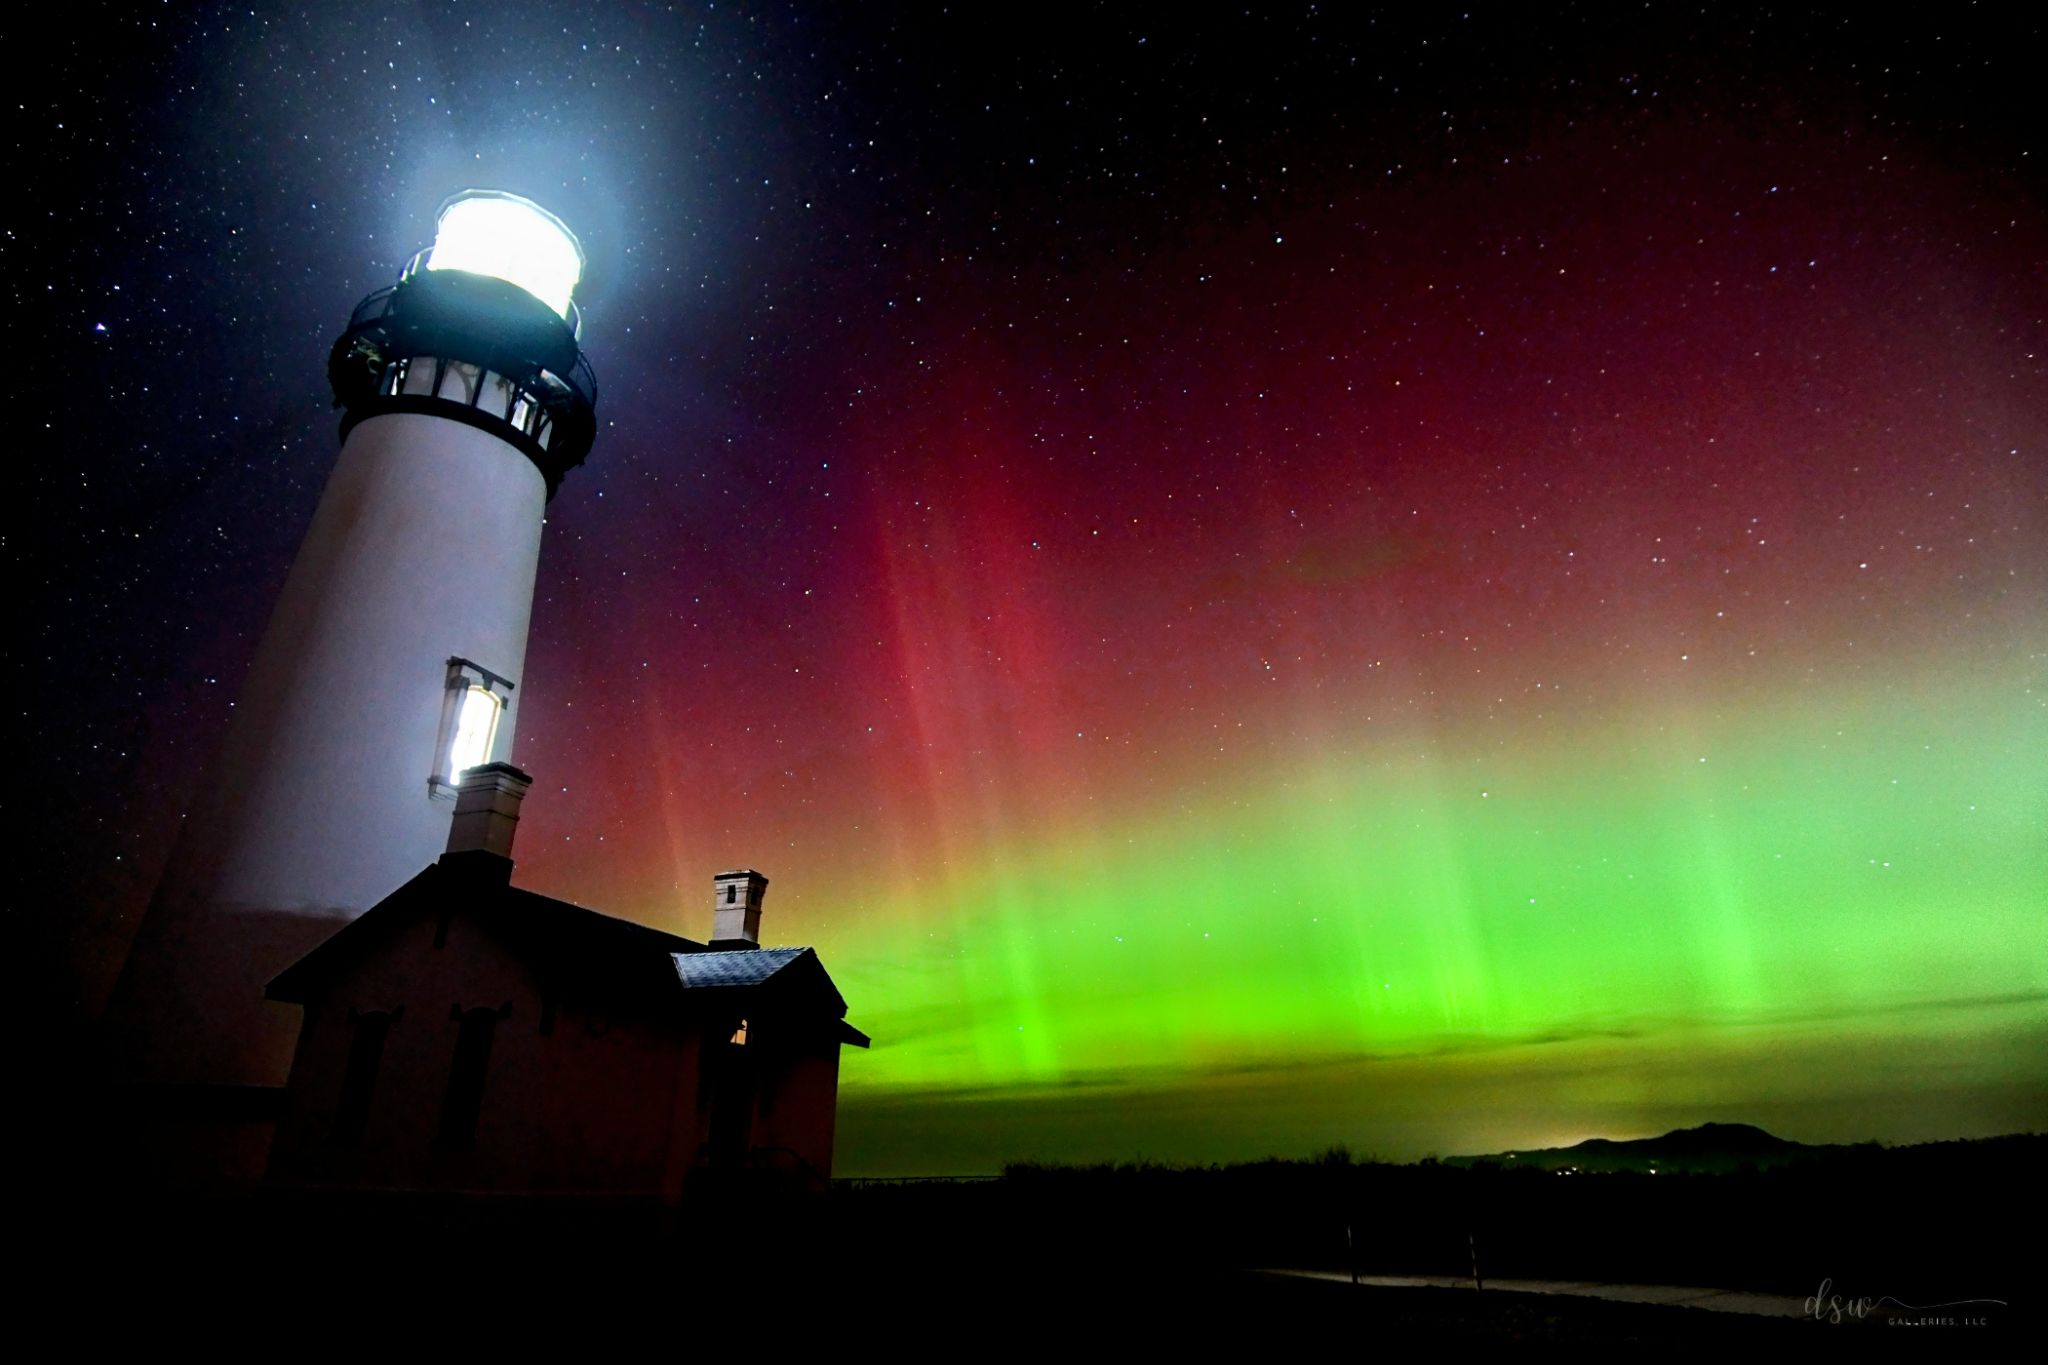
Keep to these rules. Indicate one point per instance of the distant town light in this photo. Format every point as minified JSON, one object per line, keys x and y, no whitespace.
{"x":488,"y":232}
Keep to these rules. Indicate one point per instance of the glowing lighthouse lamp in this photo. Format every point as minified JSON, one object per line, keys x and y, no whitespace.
{"x":392,"y":661}
{"x":511,"y":239}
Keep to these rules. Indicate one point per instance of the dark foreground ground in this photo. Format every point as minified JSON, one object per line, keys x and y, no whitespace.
{"x":583,"y":1296}
{"x":1110,"y":1258}
{"x":1123,"y":1259}
{"x":438,"y":1285}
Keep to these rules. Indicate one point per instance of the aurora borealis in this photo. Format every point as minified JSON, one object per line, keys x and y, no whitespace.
{"x":1432,"y":582}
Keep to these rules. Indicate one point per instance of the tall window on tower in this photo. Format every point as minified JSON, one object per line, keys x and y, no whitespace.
{"x":476,"y":725}
{"x":476,"y":699}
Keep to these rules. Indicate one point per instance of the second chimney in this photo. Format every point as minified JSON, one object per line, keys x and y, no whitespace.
{"x":736,"y":908}
{"x":487,"y":810}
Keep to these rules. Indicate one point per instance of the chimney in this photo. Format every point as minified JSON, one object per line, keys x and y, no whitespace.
{"x":736,"y":908}
{"x":487,"y":810}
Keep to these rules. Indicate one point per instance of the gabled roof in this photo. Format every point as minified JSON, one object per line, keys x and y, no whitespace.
{"x":747,"y":969}
{"x":578,"y":948}
{"x":739,"y":967}
{"x":568,"y":935}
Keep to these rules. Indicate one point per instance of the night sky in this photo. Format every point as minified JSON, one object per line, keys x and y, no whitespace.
{"x":1438,"y":580}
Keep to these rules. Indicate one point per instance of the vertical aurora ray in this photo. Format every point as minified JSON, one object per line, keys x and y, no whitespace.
{"x":1431,"y":660}
{"x":1395,"y":913}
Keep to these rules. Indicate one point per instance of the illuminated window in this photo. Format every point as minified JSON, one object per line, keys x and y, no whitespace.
{"x":739,"y":1035}
{"x":476,"y":725}
{"x":476,"y":700}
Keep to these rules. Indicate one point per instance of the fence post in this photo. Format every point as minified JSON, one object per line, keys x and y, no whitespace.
{"x":1472,"y":1241}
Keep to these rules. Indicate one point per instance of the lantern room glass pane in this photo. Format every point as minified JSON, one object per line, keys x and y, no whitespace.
{"x":510,"y":239}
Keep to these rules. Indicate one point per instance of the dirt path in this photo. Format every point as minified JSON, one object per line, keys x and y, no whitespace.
{"x":1716,"y":1300}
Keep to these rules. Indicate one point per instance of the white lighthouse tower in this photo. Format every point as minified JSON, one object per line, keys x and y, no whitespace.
{"x":396,"y":656}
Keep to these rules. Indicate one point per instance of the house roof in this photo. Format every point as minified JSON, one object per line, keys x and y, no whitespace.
{"x":577,"y":947}
{"x":752,"y":968}
{"x":738,"y":967}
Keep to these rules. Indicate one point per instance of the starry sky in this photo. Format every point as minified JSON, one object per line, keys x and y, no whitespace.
{"x":1437,"y":579}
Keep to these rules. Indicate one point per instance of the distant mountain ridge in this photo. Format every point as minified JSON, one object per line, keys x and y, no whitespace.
{"x":1710,"y":1147}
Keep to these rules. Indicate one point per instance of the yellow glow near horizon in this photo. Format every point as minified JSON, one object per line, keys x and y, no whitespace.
{"x":512,"y":239}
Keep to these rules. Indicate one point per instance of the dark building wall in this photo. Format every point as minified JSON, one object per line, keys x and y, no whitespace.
{"x":797,"y":1102}
{"x":571,"y":1099}
{"x":609,"y":1103}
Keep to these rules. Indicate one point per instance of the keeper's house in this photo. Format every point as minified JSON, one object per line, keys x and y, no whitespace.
{"x":465,"y":1036}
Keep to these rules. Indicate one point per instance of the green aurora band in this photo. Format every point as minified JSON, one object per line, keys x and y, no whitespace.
{"x":1747,"y":918}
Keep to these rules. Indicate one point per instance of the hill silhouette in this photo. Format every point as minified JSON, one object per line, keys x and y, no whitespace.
{"x":1709,"y":1148}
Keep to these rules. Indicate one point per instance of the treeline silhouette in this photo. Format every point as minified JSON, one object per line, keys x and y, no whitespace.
{"x":1925,"y":1223}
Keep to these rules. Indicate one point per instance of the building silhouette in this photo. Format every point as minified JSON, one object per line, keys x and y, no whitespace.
{"x":465,"y":1036}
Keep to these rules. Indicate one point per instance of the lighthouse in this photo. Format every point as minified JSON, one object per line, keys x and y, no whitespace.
{"x":395,"y":658}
